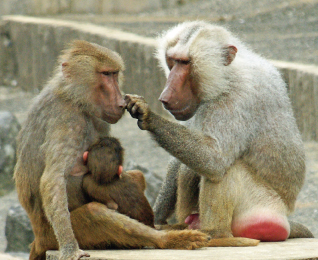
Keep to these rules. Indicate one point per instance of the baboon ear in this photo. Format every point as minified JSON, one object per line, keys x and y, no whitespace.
{"x":65,"y":69}
{"x":85,"y":156}
{"x":229,"y":54}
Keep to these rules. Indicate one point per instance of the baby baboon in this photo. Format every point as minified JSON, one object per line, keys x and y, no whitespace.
{"x":107,"y":184}
{"x":239,"y":159}
{"x":71,"y":113}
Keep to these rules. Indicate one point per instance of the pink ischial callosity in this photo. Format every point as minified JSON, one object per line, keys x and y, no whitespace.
{"x":266,"y":231}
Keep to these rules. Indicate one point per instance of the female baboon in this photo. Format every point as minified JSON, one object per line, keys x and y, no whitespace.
{"x":72,"y":112}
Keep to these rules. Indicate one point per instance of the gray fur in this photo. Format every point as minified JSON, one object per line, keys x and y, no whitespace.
{"x":245,"y":117}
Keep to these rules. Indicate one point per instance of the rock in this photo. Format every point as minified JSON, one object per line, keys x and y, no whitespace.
{"x":9,"y":128}
{"x":10,"y":257}
{"x":8,"y":66}
{"x":18,"y":230}
{"x":153,"y":180}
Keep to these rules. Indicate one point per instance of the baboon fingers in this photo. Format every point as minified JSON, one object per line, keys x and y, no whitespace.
{"x":75,"y":256}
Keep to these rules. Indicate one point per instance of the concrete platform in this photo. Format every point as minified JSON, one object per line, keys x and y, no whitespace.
{"x":290,"y":249}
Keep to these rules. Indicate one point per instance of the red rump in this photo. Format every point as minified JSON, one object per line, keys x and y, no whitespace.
{"x":265,"y":231}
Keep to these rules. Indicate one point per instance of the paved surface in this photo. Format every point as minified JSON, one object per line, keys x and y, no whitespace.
{"x":291,"y":249}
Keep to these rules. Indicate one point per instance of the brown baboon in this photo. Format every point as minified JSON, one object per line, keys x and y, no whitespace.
{"x":239,"y":160}
{"x":72,"y":112}
{"x":107,"y":184}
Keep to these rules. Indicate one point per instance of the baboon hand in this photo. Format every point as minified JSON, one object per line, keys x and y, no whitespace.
{"x":138,"y":108}
{"x":76,"y":255}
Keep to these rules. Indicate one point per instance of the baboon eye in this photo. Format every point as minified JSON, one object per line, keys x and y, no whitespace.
{"x":106,"y":73}
{"x":171,"y":62}
{"x":184,"y":62}
{"x":109,"y":73}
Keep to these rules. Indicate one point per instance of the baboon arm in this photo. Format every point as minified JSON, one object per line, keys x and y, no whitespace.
{"x":62,"y":147}
{"x":195,"y":149}
{"x":166,"y":200}
{"x":95,"y":191}
{"x":53,"y":192}
{"x":210,"y":150}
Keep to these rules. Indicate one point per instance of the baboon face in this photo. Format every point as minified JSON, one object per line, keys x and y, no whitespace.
{"x":93,"y":75}
{"x":180,"y":96}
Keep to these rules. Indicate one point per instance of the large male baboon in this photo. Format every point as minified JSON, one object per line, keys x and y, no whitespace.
{"x":73,"y":111}
{"x":239,"y":161}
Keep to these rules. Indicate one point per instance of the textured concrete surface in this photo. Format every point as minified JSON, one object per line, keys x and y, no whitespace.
{"x":290,"y":249}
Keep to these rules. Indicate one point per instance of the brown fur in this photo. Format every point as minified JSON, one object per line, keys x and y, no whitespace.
{"x":104,"y":159}
{"x":102,"y":183}
{"x":72,"y":112}
{"x":127,"y":192}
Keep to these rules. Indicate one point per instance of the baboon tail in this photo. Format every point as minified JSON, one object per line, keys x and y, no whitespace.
{"x":232,"y":241}
{"x":298,"y":230}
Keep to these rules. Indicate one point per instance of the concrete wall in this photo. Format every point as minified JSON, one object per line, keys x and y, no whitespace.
{"x":38,"y":42}
{"x":43,"y":7}
{"x":303,"y":91}
{"x":31,"y":46}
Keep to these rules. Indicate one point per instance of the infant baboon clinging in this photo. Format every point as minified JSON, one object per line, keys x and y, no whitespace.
{"x":71,"y":113}
{"x":107,"y":184}
{"x":239,"y":159}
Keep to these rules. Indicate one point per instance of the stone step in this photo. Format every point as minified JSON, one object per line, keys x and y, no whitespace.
{"x":290,"y":249}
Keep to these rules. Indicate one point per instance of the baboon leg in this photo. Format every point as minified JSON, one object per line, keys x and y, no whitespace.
{"x":96,"y":226}
{"x":44,"y":238}
{"x":228,"y":209}
{"x":216,"y":208}
{"x":259,"y":212}
{"x":180,"y":226}
{"x":188,"y":193}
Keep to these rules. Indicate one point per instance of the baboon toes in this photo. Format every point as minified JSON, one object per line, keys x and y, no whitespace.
{"x":186,"y":239}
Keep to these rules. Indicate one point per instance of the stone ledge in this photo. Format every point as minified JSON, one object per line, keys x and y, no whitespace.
{"x":302,"y":81}
{"x":290,"y":249}
{"x":311,"y":69}
{"x":37,"y":42}
{"x":84,"y":27}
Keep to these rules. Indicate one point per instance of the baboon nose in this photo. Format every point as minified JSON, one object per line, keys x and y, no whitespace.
{"x":165,"y":96}
{"x":163,"y":101}
{"x":122,"y":104}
